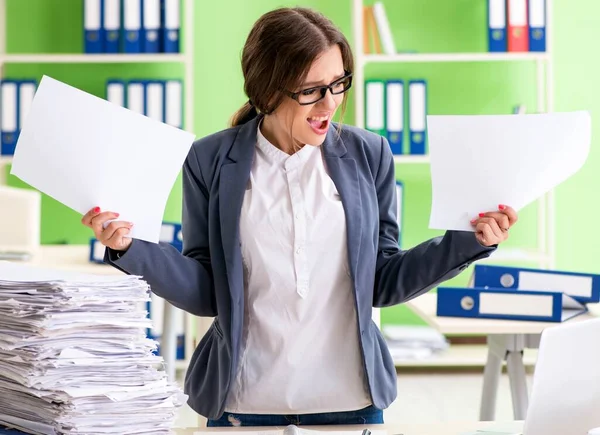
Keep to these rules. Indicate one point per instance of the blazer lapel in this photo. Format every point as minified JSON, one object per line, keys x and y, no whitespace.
{"x":343,"y":172}
{"x":234,"y":175}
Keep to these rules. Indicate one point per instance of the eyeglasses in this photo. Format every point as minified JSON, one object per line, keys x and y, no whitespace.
{"x":312,"y":95}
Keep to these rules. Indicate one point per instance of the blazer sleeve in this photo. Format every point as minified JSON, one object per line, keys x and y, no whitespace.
{"x":185,"y":280}
{"x":405,"y":274}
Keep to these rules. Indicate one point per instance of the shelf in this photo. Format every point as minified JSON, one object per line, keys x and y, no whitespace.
{"x":93,"y":58}
{"x":411,"y":159}
{"x":454,"y":57}
{"x":461,"y":356}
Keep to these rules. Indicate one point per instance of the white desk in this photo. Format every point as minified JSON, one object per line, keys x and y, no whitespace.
{"x":76,"y":258}
{"x":506,"y":341}
{"x":454,"y":428}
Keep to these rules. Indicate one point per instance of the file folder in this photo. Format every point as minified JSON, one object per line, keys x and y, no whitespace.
{"x":506,"y":304}
{"x":399,"y":208}
{"x":583,"y":287}
{"x":171,"y":24}
{"x":92,"y":23}
{"x":518,"y":35}
{"x":496,"y":25}
{"x":96,"y":251}
{"x":417,"y":94}
{"x":395,"y":114}
{"x":132,"y":26}
{"x":136,"y":98}
{"x":174,"y":103}
{"x":154,"y":100}
{"x":150,"y":26}
{"x":115,"y":92}
{"x":27,"y":90}
{"x":537,"y":25}
{"x":112,"y":25}
{"x":9,"y":116}
{"x":375,"y":106}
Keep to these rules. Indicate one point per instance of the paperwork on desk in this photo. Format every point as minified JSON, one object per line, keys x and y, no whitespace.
{"x":74,"y":357}
{"x":414,"y":343}
{"x":85,"y":152}
{"x":478,"y":162}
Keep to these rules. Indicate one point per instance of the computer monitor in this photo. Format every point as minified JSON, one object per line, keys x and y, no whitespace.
{"x":565,"y":396}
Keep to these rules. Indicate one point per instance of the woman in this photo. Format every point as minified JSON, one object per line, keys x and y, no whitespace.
{"x":290,"y":239}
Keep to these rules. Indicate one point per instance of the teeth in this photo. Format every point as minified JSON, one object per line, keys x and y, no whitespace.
{"x":319,"y":118}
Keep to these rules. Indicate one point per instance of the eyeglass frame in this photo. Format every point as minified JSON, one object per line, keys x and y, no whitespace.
{"x":322,"y":88}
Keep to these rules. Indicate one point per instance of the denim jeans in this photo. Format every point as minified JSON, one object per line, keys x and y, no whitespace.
{"x":368,"y":415}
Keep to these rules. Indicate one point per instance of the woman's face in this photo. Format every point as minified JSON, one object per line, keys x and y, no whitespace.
{"x":309,"y":123}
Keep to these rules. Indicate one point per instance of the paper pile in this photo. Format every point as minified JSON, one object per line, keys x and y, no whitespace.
{"x":410,"y":343}
{"x":74,"y":356}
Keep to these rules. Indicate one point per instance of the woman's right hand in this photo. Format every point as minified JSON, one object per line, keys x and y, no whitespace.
{"x":113,"y":236}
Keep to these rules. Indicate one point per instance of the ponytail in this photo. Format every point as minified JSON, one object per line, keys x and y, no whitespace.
{"x":244,"y":114}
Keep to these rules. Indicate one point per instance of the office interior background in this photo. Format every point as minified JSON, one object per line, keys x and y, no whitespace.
{"x":482,"y":85}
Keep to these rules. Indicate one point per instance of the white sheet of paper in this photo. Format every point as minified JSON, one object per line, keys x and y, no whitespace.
{"x":480,"y":161}
{"x":85,"y":152}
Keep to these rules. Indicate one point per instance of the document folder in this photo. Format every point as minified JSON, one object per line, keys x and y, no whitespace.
{"x":115,"y":92}
{"x":497,"y":25}
{"x":417,"y":120}
{"x":507,"y":304}
{"x":171,"y":23}
{"x":151,"y":26}
{"x":112,"y":25}
{"x":132,"y":26}
{"x":395,"y":114}
{"x":537,"y":25}
{"x":375,"y":106}
{"x":173,"y":100}
{"x":9,"y":124}
{"x":92,"y":26}
{"x":583,"y":287}
{"x":399,"y":208}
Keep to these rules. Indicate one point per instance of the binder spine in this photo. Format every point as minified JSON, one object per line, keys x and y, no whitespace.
{"x":9,"y":116}
{"x":93,"y":26}
{"x":112,"y":25}
{"x":497,"y":25}
{"x":395,"y":114}
{"x":132,"y":26}
{"x":375,"y":106}
{"x":417,"y":116}
{"x":151,"y":26}
{"x":171,"y":24}
{"x":537,"y":25}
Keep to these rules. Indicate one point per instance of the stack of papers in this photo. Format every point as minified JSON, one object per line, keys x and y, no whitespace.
{"x":410,"y":343}
{"x":75,"y":358}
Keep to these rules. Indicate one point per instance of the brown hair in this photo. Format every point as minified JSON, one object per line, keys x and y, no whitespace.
{"x":278,"y":54}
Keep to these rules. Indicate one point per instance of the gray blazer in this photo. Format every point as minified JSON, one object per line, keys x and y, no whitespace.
{"x":207,"y":280}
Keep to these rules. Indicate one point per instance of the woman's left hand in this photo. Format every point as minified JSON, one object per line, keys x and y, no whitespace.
{"x":491,"y":228}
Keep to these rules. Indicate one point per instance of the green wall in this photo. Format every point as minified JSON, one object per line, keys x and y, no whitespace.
{"x":454,"y":88}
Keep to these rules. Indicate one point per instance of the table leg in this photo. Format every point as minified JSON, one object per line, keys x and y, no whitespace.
{"x":168,"y":345}
{"x":491,"y":378}
{"x":518,"y":383}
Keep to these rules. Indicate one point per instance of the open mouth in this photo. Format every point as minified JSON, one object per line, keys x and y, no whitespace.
{"x":319,"y":124}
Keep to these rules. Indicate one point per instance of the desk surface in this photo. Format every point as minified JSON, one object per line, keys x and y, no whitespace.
{"x":426,"y":307}
{"x":454,"y":428}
